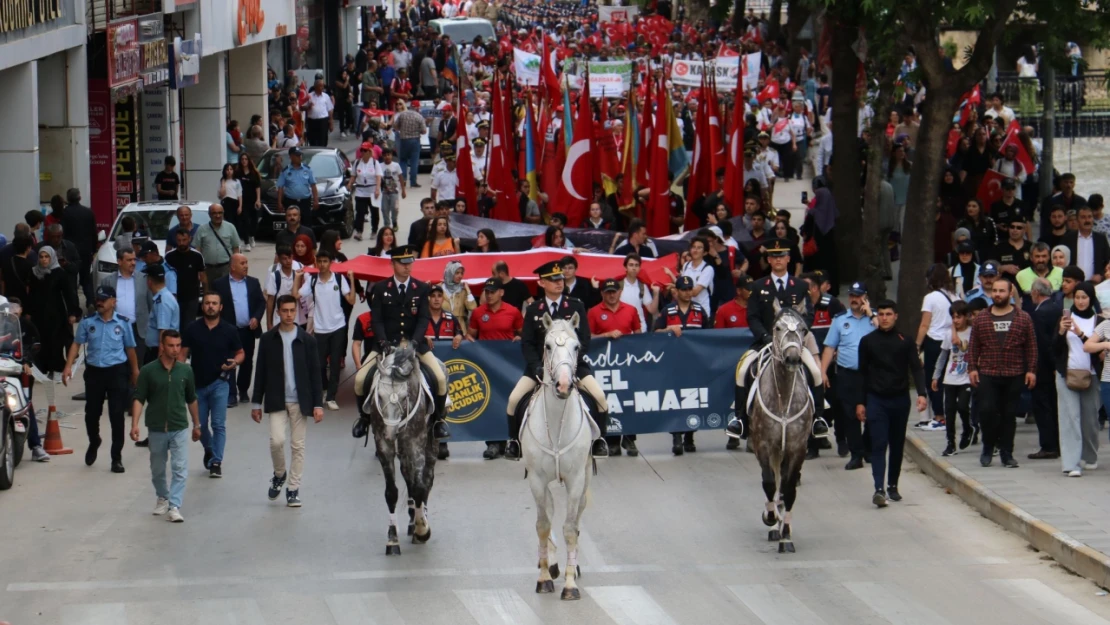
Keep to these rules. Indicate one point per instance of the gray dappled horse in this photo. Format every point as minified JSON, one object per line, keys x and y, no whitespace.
{"x":399,"y":406}
{"x":556,"y":442}
{"x":781,"y":417}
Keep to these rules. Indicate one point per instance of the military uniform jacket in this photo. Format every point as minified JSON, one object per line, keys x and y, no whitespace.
{"x":394,"y":317}
{"x":534,"y":333}
{"x":761,"y":306}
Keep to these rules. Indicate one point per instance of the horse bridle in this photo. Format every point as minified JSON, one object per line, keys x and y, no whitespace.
{"x":550,"y":365}
{"x":395,"y":400}
{"x":792,"y":329}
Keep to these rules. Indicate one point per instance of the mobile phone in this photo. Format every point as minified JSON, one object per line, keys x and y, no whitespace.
{"x":805,"y":197}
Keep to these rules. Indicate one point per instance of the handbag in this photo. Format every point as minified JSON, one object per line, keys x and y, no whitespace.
{"x":1078,"y":379}
{"x":809,"y":247}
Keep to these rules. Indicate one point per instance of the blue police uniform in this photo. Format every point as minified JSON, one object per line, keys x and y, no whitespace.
{"x":165,"y":314}
{"x":297,"y":184}
{"x":106,"y":377}
{"x":845,"y":334}
{"x":171,"y":273}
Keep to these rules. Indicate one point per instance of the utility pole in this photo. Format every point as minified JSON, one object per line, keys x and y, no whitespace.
{"x":1048,"y":128}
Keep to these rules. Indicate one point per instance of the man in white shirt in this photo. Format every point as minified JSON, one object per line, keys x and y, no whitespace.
{"x":324,"y":293}
{"x":637,"y":294}
{"x":366,"y":183}
{"x":445,"y":184}
{"x":320,"y":107}
{"x":479,"y":160}
{"x":280,"y":282}
{"x":1000,"y":110}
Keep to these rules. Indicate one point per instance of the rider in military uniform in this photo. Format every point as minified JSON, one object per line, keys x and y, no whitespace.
{"x":791,"y":292}
{"x":399,"y":311}
{"x":552,"y":301}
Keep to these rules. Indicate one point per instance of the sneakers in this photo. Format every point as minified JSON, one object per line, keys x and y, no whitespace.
{"x":174,"y":516}
{"x":492,"y":452}
{"x":950,"y":450}
{"x":922,"y":424}
{"x":630,"y":447}
{"x":162,"y":507}
{"x":1089,"y":466}
{"x":215,"y":470}
{"x":965,"y":440}
{"x":332,"y":405}
{"x":1075,"y":473}
{"x":1009,"y":461}
{"x":143,"y":443}
{"x":932,"y":426}
{"x":275,"y":486}
{"x":38,"y":454}
{"x":879,"y":499}
{"x":893,"y":494}
{"x":207,"y":457}
{"x":246,"y":247}
{"x":292,"y":498}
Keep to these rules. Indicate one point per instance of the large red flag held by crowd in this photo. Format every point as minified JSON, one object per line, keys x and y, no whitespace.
{"x":499,"y":173}
{"x":576,"y":188}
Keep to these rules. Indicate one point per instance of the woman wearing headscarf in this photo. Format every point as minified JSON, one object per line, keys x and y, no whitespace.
{"x":457,"y":296}
{"x":304,"y":251}
{"x":1077,"y":388}
{"x":820,"y":225}
{"x":52,"y":303}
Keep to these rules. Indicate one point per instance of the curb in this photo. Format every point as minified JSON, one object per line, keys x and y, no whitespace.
{"x":1072,"y":554}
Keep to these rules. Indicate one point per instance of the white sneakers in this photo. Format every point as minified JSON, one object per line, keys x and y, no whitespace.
{"x":1089,"y":466}
{"x":332,"y":405}
{"x":175,"y":516}
{"x":1075,"y":473}
{"x":162,"y":507}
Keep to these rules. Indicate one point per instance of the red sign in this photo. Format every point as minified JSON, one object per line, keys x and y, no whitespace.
{"x":102,"y":153}
{"x":124,"y":55}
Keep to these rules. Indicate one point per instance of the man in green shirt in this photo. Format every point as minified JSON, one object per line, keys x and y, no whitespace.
{"x":168,"y":388}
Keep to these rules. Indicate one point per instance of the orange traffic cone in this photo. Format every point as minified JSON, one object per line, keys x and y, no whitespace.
{"x":53,"y":444}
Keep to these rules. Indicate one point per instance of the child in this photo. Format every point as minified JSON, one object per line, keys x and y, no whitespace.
{"x":951,"y":371}
{"x":393,"y":189}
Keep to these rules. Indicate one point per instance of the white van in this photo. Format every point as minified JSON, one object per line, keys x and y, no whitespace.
{"x":464,"y":29}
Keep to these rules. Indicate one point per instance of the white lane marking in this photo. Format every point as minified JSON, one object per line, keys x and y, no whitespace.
{"x":588,"y":552}
{"x":371,"y":608}
{"x":94,"y":614}
{"x":629,"y":605}
{"x":1046,"y":602}
{"x":775,"y":605}
{"x":892,"y":603}
{"x":225,"y":612}
{"x":497,"y":607}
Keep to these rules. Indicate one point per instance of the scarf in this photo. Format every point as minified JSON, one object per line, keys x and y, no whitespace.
{"x":450,"y":286}
{"x":968,"y":272}
{"x":824,"y":210}
{"x":40,"y":271}
{"x":1092,"y":310}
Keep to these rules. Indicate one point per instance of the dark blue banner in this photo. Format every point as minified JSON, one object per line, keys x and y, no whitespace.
{"x":653,"y":382}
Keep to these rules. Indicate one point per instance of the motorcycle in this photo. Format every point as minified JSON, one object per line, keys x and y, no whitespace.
{"x":15,"y":408}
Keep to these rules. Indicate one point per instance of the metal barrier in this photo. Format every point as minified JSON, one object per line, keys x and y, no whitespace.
{"x":1082,"y":104}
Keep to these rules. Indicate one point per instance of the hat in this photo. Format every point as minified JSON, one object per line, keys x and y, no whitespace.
{"x":434,"y":288}
{"x":295,"y":151}
{"x":447,"y":108}
{"x":857,"y":288}
{"x":494,"y":284}
{"x":483,"y":124}
{"x":965,"y":247}
{"x":105,"y":292}
{"x":749,"y":153}
{"x":404,"y":254}
{"x":366,"y":146}
{"x":744,"y":282}
{"x":962,"y":232}
{"x":779,"y":247}
{"x":610,"y":285}
{"x":549,"y":271}
{"x":478,"y":141}
{"x":148,"y":247}
{"x":1009,"y":183}
{"x":716,"y":230}
{"x":763,"y":135}
{"x":684,"y":283}
{"x":449,"y":157}
{"x":989,"y":268}
{"x":155,"y":270}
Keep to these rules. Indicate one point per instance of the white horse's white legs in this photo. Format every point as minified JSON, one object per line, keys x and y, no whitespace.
{"x":541,"y":492}
{"x":577,"y":486}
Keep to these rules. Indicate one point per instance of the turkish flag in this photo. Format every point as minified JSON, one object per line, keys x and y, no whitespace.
{"x":701,"y":170}
{"x":465,"y":168}
{"x":658,"y":218}
{"x":724,"y":51}
{"x":647,"y":131}
{"x":953,"y":141}
{"x":499,"y":171}
{"x":576,"y":186}
{"x":769,"y":92}
{"x":1023,"y":156}
{"x":734,"y":164}
{"x":990,"y":189}
{"x":716,"y":142}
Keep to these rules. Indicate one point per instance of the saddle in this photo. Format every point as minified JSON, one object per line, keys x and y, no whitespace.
{"x":365,"y":378}
{"x":751,"y":365}
{"x":532,"y":395}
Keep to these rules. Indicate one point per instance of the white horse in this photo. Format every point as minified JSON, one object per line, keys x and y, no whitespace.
{"x":556,"y":439}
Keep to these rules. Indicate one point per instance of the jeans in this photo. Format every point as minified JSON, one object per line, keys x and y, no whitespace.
{"x":294,"y":423}
{"x":245,"y":370}
{"x":887,"y":418}
{"x":174,"y":447}
{"x":1078,"y":411}
{"x":331,"y":346}
{"x":998,"y":398}
{"x":391,"y":206}
{"x":212,"y":406}
{"x":409,"y":153}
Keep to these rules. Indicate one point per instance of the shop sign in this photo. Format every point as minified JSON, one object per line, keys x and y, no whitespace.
{"x":227,"y":24}
{"x":156,"y":137}
{"x":124,"y":56}
{"x":19,"y":14}
{"x":127,"y":152}
{"x":184,"y":68}
{"x":155,"y":56}
{"x":102,"y":153}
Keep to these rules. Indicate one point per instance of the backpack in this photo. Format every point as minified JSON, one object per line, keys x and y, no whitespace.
{"x":340,"y":279}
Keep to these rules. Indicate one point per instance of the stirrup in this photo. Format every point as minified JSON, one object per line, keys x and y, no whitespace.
{"x":824,"y":434}
{"x":739,"y":426}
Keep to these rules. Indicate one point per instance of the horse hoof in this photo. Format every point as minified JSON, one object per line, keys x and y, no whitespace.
{"x":417,"y":539}
{"x":571,"y":594}
{"x":769,"y":519}
{"x":393,"y":550}
{"x":544,"y":588}
{"x":790,"y":547}
{"x":412,"y":528}
{"x":786,"y":547}
{"x":773,"y":535}
{"x":554,"y":571}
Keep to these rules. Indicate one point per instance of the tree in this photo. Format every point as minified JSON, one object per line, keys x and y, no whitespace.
{"x":846,"y":170}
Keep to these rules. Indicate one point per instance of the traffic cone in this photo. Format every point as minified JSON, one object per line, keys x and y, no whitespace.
{"x":53,"y":444}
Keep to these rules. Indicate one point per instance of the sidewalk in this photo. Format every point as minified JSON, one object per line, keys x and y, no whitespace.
{"x":1067,"y":518}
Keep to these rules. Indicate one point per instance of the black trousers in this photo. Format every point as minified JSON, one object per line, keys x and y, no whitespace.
{"x":331,"y":346}
{"x":957,"y":400}
{"x":187,"y":307}
{"x":111,"y":383}
{"x":997,"y":397}
{"x":362,"y":206}
{"x":85,"y":277}
{"x":1045,"y":410}
{"x":246,"y":370}
{"x":850,"y":392}
{"x":316,"y":131}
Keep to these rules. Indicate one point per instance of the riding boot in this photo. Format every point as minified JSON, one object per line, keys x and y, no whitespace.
{"x":361,"y":427}
{"x":512,"y":447}
{"x":738,"y":426}
{"x":601,"y":448}
{"x":439,"y":429}
{"x":820,"y":426}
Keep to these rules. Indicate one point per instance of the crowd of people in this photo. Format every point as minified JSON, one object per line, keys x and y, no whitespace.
{"x":1013,"y":309}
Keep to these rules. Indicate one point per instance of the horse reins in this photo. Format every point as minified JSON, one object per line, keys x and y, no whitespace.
{"x":550,"y":367}
{"x":784,"y":421}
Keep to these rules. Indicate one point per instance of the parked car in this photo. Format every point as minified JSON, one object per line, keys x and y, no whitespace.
{"x":464,"y":29}
{"x":154,"y":220}
{"x":332,"y":169}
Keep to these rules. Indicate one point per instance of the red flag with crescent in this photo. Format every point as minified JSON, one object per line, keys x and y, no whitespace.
{"x":576,"y":187}
{"x":1023,"y":156}
{"x":990,"y":189}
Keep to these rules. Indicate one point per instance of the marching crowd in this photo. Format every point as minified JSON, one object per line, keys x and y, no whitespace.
{"x":1013,"y":309}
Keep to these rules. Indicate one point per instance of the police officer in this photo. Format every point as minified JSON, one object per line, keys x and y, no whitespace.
{"x":552,"y":301}
{"x":110,"y":367}
{"x":845,"y":333}
{"x":442,"y":325}
{"x":296,"y":186}
{"x":683,"y":314}
{"x":399,"y":311}
{"x":792,"y":292}
{"x":988,"y":273}
{"x":164,"y":311}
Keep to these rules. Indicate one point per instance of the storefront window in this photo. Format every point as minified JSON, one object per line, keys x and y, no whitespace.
{"x":307,"y":47}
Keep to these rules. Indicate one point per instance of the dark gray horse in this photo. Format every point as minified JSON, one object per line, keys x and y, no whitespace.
{"x":781,"y":417}
{"x":399,"y":406}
